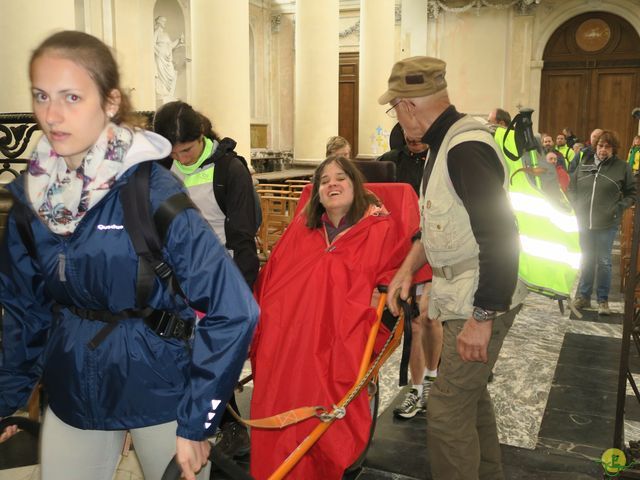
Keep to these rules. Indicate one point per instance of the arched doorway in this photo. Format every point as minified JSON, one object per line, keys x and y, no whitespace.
{"x":591,"y":77}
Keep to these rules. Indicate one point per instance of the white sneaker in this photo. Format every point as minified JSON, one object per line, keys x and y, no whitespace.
{"x":411,"y":405}
{"x":426,"y":387}
{"x":603,"y":308}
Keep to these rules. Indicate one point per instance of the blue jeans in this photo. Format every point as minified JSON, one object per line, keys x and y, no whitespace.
{"x":596,"y":248}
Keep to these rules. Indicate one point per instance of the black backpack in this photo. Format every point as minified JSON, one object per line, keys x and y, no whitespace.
{"x":147,"y":234}
{"x":220,"y":184}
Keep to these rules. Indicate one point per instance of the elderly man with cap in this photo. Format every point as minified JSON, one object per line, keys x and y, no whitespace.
{"x":470,"y":239}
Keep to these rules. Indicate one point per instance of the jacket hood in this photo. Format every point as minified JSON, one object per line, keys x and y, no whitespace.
{"x":226,"y":145}
{"x":146,"y":146}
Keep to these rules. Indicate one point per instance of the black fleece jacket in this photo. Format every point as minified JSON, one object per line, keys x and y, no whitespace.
{"x":600,"y":193}
{"x":240,"y":221}
{"x":409,"y":166}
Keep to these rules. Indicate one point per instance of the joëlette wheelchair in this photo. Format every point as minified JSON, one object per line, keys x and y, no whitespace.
{"x":385,"y":335}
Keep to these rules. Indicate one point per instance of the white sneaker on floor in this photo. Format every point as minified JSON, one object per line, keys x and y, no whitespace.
{"x":603,"y":308}
{"x":410,"y":406}
{"x":582,"y":302}
{"x":426,"y":387}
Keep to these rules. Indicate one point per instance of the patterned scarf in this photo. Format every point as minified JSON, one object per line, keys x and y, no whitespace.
{"x":62,"y":196}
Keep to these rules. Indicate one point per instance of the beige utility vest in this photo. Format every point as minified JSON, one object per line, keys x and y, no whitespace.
{"x":446,"y":230}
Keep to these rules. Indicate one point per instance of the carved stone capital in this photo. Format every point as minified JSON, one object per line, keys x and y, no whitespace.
{"x":276,"y":20}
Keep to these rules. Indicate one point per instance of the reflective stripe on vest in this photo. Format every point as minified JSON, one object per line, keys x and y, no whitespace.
{"x":550,"y":249}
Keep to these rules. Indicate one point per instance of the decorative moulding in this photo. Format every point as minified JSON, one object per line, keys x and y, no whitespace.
{"x":353,"y":29}
{"x":522,"y":7}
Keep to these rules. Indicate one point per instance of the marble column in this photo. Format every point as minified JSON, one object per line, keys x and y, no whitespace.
{"x":519,"y":67}
{"x":220,"y":67}
{"x":414,"y":28}
{"x":377,"y":36}
{"x":316,"y":78}
{"x":24,"y":25}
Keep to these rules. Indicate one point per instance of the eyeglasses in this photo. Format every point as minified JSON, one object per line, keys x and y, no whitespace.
{"x":392,"y":110}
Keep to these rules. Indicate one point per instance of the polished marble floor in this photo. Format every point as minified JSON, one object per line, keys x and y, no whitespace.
{"x":554,"y":393}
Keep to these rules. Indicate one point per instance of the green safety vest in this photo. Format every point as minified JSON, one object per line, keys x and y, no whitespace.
{"x":550,"y":250}
{"x":567,"y":152}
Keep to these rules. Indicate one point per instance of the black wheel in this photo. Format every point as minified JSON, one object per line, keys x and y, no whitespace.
{"x":21,"y":449}
{"x":374,"y":401}
{"x":217,"y":458}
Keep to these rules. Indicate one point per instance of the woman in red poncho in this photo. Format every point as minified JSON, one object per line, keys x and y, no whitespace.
{"x":315,"y":297}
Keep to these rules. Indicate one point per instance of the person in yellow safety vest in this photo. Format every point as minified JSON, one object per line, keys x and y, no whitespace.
{"x":549,"y":147}
{"x":550,"y":250}
{"x":566,"y":151}
{"x":634,"y":154}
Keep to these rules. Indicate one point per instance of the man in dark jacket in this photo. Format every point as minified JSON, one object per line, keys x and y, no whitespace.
{"x":409,"y":158}
{"x":426,"y":341}
{"x":601,"y":188}
{"x":586,"y":154}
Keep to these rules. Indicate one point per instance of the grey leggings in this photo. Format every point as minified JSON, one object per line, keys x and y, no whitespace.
{"x":69,"y":453}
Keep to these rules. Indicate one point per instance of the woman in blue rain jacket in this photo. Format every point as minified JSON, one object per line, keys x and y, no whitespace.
{"x":169,"y":390}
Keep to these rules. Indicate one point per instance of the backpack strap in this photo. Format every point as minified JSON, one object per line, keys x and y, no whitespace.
{"x":146,"y":235}
{"x":220,"y":176}
{"x":220,"y":179}
{"x":168,"y":210}
{"x":23,"y":215}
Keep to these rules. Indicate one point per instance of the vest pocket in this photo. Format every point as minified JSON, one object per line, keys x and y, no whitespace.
{"x":438,"y":225}
{"x":440,"y":234}
{"x":440,"y":231}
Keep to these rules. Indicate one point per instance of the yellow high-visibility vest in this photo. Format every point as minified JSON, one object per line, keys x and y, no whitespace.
{"x":550,"y":250}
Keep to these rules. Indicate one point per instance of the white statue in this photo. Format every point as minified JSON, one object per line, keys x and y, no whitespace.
{"x":166,"y":74}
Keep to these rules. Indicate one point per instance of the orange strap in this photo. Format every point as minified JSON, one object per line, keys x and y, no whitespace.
{"x":297,"y":415}
{"x":280,"y":420}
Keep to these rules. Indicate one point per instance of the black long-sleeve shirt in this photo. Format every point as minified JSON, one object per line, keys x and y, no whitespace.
{"x":477,"y":176}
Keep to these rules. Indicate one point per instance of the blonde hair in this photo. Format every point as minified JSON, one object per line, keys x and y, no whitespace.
{"x":336,"y":143}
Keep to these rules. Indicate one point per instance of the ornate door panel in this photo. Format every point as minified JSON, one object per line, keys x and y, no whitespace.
{"x":348,"y":100}
{"x":591,"y":77}
{"x":615,"y":94}
{"x":562,"y":103}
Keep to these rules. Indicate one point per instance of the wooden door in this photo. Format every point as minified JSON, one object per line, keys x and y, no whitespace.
{"x":591,"y":77}
{"x":562,"y":101}
{"x":348,"y":100}
{"x":615,"y":94}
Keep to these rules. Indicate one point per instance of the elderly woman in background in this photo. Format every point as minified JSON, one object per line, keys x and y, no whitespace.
{"x":601,"y":188}
{"x":339,"y":147}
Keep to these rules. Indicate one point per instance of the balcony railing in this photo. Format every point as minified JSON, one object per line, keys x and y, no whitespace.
{"x":16,"y":131}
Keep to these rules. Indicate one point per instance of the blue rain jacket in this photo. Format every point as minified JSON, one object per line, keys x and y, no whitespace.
{"x":134,"y":378}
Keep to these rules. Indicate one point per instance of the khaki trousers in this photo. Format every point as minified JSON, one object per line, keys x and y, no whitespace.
{"x":462,"y":439}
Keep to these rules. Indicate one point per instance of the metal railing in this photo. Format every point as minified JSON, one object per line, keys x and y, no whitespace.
{"x":16,"y":131}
